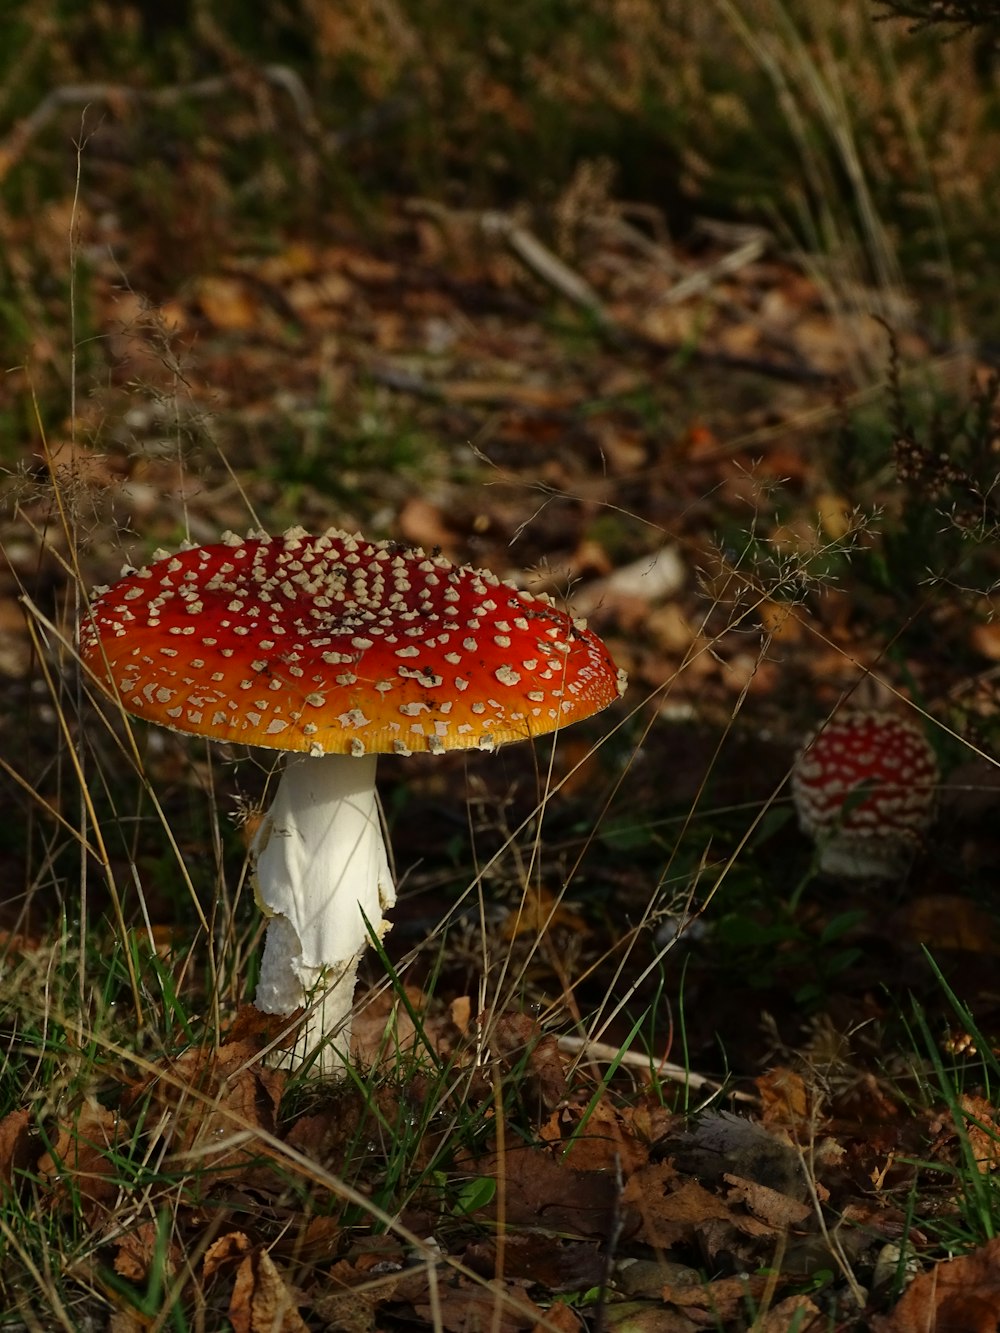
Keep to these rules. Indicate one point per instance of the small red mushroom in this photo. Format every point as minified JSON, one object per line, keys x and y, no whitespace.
{"x":340,"y":649}
{"x":864,"y":787}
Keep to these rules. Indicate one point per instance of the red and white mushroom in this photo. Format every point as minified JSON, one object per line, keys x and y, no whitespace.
{"x":865,"y":787}
{"x":340,"y":649}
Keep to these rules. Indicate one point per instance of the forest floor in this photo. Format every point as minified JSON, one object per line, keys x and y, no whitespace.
{"x":640,"y":1065}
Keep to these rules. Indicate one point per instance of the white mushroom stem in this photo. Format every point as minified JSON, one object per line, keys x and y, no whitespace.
{"x":320,"y":870}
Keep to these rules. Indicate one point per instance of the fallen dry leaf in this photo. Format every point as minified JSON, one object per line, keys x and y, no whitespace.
{"x":15,"y":1145}
{"x":980,"y":1130}
{"x":669,"y":1216}
{"x":985,"y":640}
{"x":127,"y":1321}
{"x":768,"y":1205}
{"x":350,"y":1311}
{"x":137,"y":1251}
{"x":309,"y":1240}
{"x":726,"y":1298}
{"x":606,"y":1142}
{"x":331,"y":1134}
{"x":541,"y":910}
{"x":541,"y":1260}
{"x":947,"y":921}
{"x":523,"y":1045}
{"x":425,"y":524}
{"x":542,"y":1191}
{"x":251,"y":1028}
{"x":383,"y":1028}
{"x":211,"y":1101}
{"x":228,"y":303}
{"x":560,"y":1318}
{"x":78,"y":1164}
{"x":958,"y":1296}
{"x":463,"y":1307}
{"x":261,"y":1302}
{"x":781,"y":621}
{"x":460,"y":1012}
{"x":224,"y":1251}
{"x":71,"y":463}
{"x":795,"y":1314}
{"x":651,"y":578}
{"x":785,"y":1102}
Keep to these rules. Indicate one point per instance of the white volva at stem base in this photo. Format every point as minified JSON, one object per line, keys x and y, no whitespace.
{"x":320,"y":869}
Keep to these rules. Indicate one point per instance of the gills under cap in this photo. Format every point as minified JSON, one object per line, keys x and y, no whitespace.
{"x":334,"y":644}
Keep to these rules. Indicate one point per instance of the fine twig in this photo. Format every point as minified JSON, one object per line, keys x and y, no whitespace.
{"x":601,"y":1050}
{"x":702,"y":282}
{"x":546,"y":265}
{"x":110,"y":94}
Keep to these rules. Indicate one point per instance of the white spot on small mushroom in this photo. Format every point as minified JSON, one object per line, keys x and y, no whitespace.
{"x":507,"y":675}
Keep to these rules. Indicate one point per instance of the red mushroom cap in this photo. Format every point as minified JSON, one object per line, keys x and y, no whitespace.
{"x":334,"y":644}
{"x":865,"y":786}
